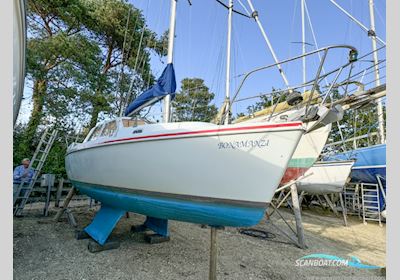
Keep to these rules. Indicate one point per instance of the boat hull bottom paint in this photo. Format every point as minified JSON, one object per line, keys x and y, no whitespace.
{"x":293,"y":173}
{"x":213,"y":213}
{"x":368,"y":175}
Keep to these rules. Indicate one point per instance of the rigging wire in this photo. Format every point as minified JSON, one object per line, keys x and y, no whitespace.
{"x":135,"y":72}
{"x":380,"y":16}
{"x":244,"y":8}
{"x":355,"y":20}
{"x":161,"y":21}
{"x":354,"y":75}
{"x":313,"y":36}
{"x":124,"y":99}
{"x":220,"y":59}
{"x":234,"y":61}
{"x":309,"y":83}
{"x":154,"y":46}
{"x":292,"y":30}
{"x":233,"y":10}
{"x":119,"y":80}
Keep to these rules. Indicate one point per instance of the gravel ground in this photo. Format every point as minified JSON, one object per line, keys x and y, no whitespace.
{"x":47,"y":250}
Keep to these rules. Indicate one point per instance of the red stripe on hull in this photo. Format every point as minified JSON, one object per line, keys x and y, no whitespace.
{"x":294,"y":124}
{"x":292,"y":173}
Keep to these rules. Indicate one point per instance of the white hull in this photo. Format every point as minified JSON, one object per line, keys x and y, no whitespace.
{"x":19,"y":46}
{"x":307,"y":151}
{"x":326,"y":177}
{"x":312,"y":143}
{"x":241,"y":162}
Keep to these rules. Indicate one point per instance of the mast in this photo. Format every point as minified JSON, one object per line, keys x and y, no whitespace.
{"x":303,"y":42}
{"x":171,"y":38}
{"x":356,"y":20}
{"x":371,"y":32}
{"x":374,"y":38}
{"x":228,"y":62}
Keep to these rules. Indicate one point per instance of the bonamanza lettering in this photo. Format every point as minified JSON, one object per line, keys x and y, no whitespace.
{"x":244,"y":144}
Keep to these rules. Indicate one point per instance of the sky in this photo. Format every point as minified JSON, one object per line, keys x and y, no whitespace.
{"x":201,"y":39}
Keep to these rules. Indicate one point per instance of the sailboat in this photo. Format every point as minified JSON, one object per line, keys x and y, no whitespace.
{"x":326,"y":177}
{"x":311,"y":143}
{"x":369,"y":167}
{"x":219,"y":175}
{"x":307,"y":152}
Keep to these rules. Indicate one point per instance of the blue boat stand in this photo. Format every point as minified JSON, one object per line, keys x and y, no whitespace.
{"x":159,"y":226}
{"x":107,"y":218}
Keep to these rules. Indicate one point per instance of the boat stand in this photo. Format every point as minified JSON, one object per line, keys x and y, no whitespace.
{"x":70,"y":194}
{"x":158,"y":226}
{"x":66,"y":210}
{"x":212,"y":275}
{"x":344,"y":210}
{"x":332,"y":205}
{"x":93,"y":246}
{"x":297,"y":216}
{"x":295,"y":205}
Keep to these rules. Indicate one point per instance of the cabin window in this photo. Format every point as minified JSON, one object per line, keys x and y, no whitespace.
{"x":109,"y":129}
{"x":132,"y":123}
{"x":96,"y":133}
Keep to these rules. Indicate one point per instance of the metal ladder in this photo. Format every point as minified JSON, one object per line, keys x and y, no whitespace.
{"x":352,"y":199}
{"x":36,"y":164}
{"x":371,"y":203}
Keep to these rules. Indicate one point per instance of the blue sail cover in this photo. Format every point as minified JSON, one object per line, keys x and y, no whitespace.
{"x":165,"y":85}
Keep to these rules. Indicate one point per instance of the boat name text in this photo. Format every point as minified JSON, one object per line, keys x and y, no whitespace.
{"x":244,"y":144}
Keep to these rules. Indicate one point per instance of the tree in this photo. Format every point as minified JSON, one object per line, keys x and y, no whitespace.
{"x":79,"y":61}
{"x":192,"y":103}
{"x":356,"y":122}
{"x":60,"y":60}
{"x":82,"y":53}
{"x":120,"y":30}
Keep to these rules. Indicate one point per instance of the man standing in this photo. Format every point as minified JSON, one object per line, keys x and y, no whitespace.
{"x":21,"y":174}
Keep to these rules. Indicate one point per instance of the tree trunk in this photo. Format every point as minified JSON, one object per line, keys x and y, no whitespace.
{"x":95,"y":115}
{"x":39,"y":92}
{"x":99,"y":102}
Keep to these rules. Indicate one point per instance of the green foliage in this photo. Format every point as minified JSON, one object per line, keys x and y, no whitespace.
{"x":265,"y":101}
{"x":55,"y":162}
{"x":356,"y":123}
{"x":85,"y":54}
{"x":126,"y":42}
{"x":192,"y":103}
{"x":80,"y":64}
{"x":19,"y":150}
